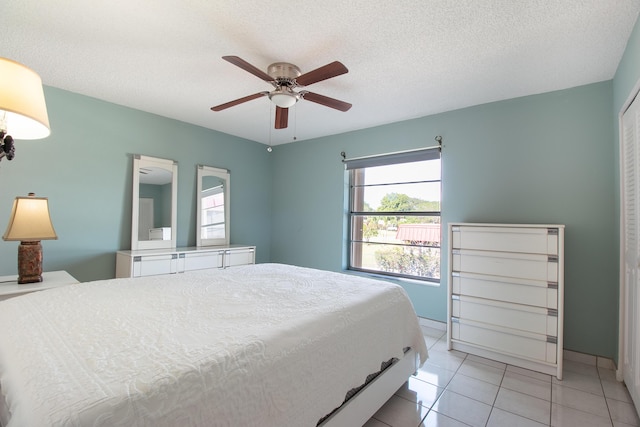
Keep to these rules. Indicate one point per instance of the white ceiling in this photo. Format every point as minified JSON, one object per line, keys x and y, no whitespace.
{"x":406,"y":58}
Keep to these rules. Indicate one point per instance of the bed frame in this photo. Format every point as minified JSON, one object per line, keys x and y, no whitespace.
{"x":357,"y":410}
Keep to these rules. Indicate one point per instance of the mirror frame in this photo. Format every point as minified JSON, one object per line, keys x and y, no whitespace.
{"x":140,"y":162}
{"x":222,"y":174}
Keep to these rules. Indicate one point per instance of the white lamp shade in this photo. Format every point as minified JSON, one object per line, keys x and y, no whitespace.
{"x":30,"y":220}
{"x":22,"y":101}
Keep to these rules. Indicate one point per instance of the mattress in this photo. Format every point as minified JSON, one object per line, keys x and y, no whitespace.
{"x":258,"y":345}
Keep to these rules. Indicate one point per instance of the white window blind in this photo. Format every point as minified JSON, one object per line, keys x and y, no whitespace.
{"x":392,"y":158}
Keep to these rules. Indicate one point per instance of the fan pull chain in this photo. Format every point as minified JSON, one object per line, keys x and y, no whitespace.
{"x":295,"y":122}
{"x":269,"y":148}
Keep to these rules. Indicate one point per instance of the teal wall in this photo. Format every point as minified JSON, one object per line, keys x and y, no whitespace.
{"x":85,"y":169}
{"x":539,"y":159}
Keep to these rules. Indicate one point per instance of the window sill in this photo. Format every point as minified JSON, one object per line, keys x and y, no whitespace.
{"x":393,"y":279}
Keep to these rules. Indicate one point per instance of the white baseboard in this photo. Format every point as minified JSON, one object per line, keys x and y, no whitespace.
{"x":434,"y":324}
{"x":598,"y":361}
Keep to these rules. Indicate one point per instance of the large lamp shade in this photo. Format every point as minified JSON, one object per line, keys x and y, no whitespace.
{"x":29,"y":223}
{"x":30,"y":220}
{"x":22,"y":102}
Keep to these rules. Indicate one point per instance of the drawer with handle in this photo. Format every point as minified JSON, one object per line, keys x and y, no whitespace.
{"x":506,"y":264}
{"x":518,"y":317}
{"x":530,"y":346}
{"x":520,"y":291}
{"x":506,"y":239}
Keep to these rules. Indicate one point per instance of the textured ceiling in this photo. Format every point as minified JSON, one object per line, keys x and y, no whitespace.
{"x":406,"y":58}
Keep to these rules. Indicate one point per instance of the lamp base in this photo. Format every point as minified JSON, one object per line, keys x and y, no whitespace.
{"x":29,"y":262}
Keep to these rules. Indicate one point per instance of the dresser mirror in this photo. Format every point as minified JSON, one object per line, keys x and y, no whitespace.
{"x":212,"y":206}
{"x":154,"y":207}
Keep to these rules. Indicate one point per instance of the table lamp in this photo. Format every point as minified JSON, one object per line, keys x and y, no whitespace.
{"x":30,"y":223}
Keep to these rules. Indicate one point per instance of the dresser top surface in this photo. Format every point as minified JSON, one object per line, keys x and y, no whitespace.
{"x":485,"y":224}
{"x":185,"y":249}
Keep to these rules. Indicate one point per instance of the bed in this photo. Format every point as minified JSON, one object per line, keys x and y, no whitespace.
{"x":258,"y":345}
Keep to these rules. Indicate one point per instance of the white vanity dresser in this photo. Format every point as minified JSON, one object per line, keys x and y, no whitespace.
{"x":506,"y":293}
{"x":178,"y":260}
{"x":154,"y":223}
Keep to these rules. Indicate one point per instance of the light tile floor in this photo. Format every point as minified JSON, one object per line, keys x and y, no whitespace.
{"x":459,"y":389}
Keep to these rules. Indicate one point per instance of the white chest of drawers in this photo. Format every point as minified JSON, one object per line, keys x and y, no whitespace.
{"x":506,"y":293}
{"x":152,"y":262}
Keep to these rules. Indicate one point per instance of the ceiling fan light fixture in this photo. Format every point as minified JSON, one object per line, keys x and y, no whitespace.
{"x":283,"y":98}
{"x":285,"y":77}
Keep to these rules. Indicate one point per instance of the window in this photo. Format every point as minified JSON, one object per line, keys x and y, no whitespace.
{"x":394,"y":214}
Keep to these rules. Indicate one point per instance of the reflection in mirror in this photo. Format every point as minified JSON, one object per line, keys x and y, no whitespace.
{"x":212,"y":206}
{"x":154,"y":203}
{"x":154,"y":215}
{"x":212,"y":199}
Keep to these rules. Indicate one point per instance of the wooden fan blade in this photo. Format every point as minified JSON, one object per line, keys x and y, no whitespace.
{"x":334,"y":69}
{"x":238,"y":101}
{"x":239,"y":62}
{"x":282,"y":117}
{"x":326,"y":101}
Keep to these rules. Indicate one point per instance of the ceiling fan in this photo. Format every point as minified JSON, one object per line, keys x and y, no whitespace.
{"x":285,"y":78}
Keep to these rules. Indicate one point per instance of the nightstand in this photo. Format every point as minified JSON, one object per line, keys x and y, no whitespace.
{"x":9,"y":286}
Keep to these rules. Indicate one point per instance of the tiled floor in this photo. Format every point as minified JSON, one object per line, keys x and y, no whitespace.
{"x":460,"y":389}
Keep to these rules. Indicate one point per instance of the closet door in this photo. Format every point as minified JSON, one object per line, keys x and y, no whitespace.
{"x":630,"y":304}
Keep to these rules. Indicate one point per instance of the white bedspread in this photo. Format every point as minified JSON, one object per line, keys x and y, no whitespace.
{"x":261,"y":345}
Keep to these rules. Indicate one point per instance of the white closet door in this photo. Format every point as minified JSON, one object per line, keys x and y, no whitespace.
{"x":631,"y":259}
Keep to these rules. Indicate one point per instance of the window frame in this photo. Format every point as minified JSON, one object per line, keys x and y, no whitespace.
{"x":355,"y":169}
